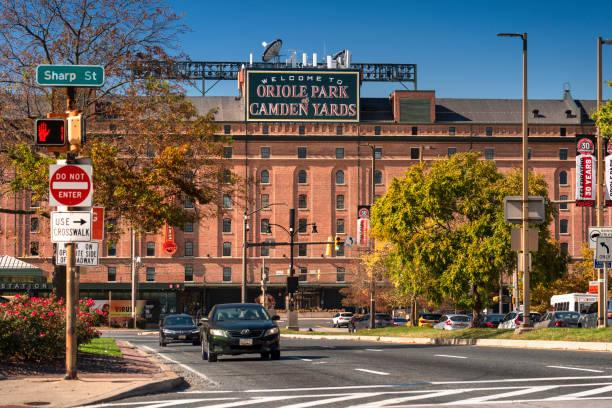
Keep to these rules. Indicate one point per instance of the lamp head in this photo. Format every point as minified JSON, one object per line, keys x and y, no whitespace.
{"x":314,"y":229}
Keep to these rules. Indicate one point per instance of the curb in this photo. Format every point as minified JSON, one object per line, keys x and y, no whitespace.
{"x":171,"y":382}
{"x":529,"y":344}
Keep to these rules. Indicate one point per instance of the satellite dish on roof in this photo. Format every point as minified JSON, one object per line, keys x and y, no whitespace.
{"x":271,"y":51}
{"x":343,"y":58}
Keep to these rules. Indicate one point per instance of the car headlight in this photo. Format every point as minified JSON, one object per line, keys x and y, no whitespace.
{"x":218,"y":332}
{"x":168,"y":331}
{"x":195,"y":331}
{"x":270,"y":332}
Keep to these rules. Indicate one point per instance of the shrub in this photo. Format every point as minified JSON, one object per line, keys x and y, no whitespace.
{"x":34,"y":328}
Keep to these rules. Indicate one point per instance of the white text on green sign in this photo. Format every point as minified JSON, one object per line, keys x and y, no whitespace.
{"x":70,"y":75}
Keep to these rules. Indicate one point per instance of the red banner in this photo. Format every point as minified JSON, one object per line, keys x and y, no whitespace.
{"x":586,"y":180}
{"x":169,"y":245}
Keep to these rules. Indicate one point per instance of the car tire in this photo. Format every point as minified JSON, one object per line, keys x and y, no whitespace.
{"x":265,"y":356}
{"x":333,"y":324}
{"x":275,"y":354}
{"x":212,"y":357}
{"x":196,"y":343}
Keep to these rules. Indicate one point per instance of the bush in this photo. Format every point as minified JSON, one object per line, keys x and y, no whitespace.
{"x":35,"y":329}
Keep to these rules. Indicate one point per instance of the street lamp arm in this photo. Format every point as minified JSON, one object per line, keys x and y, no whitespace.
{"x":284,"y":229}
{"x":263,"y":208}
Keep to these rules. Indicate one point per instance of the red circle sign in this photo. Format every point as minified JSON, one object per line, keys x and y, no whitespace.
{"x":170,"y":247}
{"x":585,"y":146}
{"x":70,"y":185}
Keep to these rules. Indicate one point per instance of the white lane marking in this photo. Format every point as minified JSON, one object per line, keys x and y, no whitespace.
{"x":518,"y":380}
{"x":576,"y":368}
{"x":332,"y":400}
{"x":579,"y":395}
{"x":253,"y":400}
{"x":177,"y":363}
{"x":487,"y":398}
{"x":448,"y":355}
{"x":173,"y":403}
{"x":393,"y":401}
{"x":371,"y":371}
{"x":374,"y":349}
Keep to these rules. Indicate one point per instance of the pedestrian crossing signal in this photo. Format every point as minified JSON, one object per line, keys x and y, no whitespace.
{"x":50,"y":132}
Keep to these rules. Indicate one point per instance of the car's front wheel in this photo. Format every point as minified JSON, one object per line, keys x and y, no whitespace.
{"x":275,"y":354}
{"x":212,"y":357}
{"x":265,"y":355}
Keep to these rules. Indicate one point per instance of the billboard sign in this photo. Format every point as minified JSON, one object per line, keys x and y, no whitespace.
{"x":586,"y":180}
{"x":302,"y":95}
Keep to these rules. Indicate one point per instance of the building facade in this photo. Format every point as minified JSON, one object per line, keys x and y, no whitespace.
{"x":323,"y":170}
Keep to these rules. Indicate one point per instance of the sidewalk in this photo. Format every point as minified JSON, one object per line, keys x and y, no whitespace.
{"x":134,"y":374}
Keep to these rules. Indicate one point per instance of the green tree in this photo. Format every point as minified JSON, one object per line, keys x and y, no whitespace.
{"x":447,"y":229}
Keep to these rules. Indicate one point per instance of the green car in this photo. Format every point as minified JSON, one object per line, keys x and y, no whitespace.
{"x":239,"y":328}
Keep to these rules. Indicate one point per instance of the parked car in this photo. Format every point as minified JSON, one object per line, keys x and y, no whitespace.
{"x":380,"y":320}
{"x":453,"y":322}
{"x":428,"y":319}
{"x":178,"y":328}
{"x":400,"y":321}
{"x":514,"y":319}
{"x":589,"y":319}
{"x":239,"y":328}
{"x":490,"y":320}
{"x":341,"y":319}
{"x":558,"y":319}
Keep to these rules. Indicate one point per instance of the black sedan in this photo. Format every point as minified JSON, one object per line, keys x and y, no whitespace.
{"x":178,"y":328}
{"x":239,"y":328}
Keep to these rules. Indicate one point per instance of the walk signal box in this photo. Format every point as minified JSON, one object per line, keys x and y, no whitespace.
{"x":51,"y":132}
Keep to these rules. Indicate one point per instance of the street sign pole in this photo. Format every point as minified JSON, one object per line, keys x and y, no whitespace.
{"x":71,"y":336}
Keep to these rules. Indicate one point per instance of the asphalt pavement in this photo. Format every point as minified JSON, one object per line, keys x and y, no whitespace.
{"x":342,"y":373}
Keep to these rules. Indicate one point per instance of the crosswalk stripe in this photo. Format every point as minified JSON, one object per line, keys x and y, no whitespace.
{"x":576,"y":368}
{"x":332,"y":400}
{"x":393,"y":401}
{"x":581,"y":394}
{"x":371,"y":371}
{"x":487,"y":398}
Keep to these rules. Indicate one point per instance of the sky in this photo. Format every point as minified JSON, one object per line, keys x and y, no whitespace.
{"x":453,"y":43}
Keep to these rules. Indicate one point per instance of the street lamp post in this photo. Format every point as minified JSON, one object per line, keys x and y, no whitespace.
{"x":602,"y":284}
{"x":525,"y":253}
{"x":245,"y":245}
{"x":372,"y":280}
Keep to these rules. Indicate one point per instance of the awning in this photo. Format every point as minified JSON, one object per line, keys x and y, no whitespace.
{"x":12,"y":267}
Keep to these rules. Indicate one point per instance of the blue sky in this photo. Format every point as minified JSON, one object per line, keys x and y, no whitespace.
{"x":453,"y":43}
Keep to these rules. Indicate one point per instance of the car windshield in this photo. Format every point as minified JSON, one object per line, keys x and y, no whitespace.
{"x":179,"y":321}
{"x":242,"y":312}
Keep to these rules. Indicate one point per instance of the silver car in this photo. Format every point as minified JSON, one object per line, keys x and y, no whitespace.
{"x":453,"y":322}
{"x":514,"y":319}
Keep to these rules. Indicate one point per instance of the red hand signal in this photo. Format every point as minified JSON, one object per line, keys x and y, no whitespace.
{"x":43,"y":132}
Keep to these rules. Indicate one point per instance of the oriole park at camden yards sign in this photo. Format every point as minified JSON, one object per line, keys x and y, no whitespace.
{"x":302,"y":95}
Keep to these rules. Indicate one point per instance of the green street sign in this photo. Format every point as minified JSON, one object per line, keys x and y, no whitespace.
{"x":86,"y":76}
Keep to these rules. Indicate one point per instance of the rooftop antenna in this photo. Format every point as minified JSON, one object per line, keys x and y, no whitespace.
{"x":271,"y":50}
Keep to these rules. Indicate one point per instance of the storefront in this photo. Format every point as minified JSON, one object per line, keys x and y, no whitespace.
{"x":18,"y":278}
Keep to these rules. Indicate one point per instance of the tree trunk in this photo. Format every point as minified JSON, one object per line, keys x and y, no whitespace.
{"x":477,"y":309}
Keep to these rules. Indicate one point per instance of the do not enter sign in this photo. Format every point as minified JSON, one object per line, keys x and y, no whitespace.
{"x":70,"y":185}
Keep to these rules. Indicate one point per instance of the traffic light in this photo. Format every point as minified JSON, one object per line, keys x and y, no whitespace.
{"x":293,"y":284}
{"x":328,"y":248}
{"x":50,"y":132}
{"x":339,"y":243}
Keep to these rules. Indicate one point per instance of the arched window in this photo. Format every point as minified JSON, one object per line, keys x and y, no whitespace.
{"x":339,"y":177}
{"x":563,"y":178}
{"x":302,"y":179}
{"x":265,"y":177}
{"x":378,"y":177}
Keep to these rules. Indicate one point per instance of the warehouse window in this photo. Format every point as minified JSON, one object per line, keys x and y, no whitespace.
{"x":340,"y":226}
{"x":378,"y":177}
{"x":339,"y":152}
{"x":34,"y":225}
{"x":150,"y":274}
{"x":415,"y":153}
{"x":302,"y":130}
{"x":188,"y":227}
{"x":562,"y":131}
{"x":227,"y":129}
{"x":451,"y":151}
{"x":563,"y":178}
{"x":227,"y":152}
{"x":340,"y":274}
{"x":111,"y":274}
{"x":302,"y":179}
{"x":451,"y":131}
{"x":562,"y":154}
{"x":489,"y":131}
{"x":489,"y":154}
{"x":227,"y":274}
{"x":563,"y":226}
{"x":563,"y":206}
{"x":377,"y":130}
{"x":340,"y":202}
{"x":302,"y":201}
{"x":339,"y":177}
{"x":227,"y":225}
{"x":150,"y":248}
{"x":227,"y":201}
{"x":227,"y":249}
{"x":265,"y":152}
{"x":301,"y":152}
{"x":188,"y":248}
{"x":265,"y":177}
{"x":188,"y":273}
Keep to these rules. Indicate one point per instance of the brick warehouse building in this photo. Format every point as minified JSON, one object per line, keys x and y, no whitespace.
{"x":323,"y":171}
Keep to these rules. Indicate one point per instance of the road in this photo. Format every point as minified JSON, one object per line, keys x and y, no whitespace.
{"x":339,"y":373}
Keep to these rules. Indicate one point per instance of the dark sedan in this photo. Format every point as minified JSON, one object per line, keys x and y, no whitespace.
{"x":178,"y":328}
{"x":239,"y":328}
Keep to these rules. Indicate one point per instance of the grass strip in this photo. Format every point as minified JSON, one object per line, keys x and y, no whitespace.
{"x":557,"y":334}
{"x":101,"y":345}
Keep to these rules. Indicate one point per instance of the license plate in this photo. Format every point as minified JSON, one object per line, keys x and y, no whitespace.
{"x":182,"y":337}
{"x":246,"y":342}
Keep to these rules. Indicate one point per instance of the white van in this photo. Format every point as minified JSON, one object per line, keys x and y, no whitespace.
{"x":573,"y":302}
